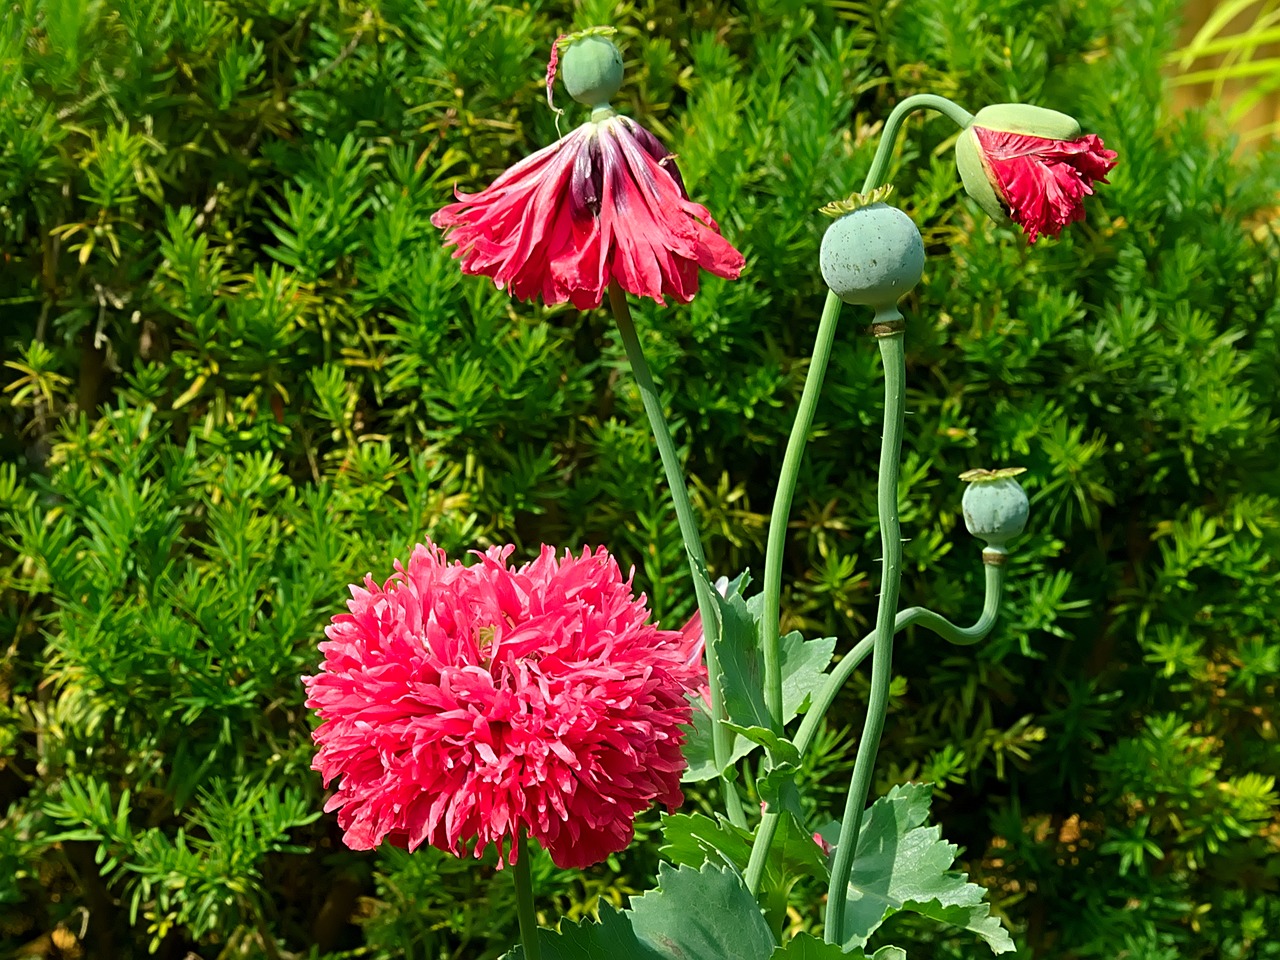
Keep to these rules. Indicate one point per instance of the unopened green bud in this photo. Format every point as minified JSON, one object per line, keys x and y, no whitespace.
{"x":592,"y":70}
{"x":872,"y":256}
{"x":995,"y":506}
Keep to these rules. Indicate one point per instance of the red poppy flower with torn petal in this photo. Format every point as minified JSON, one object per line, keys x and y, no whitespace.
{"x":604,"y":203}
{"x":1031,"y":165}
{"x":462,"y":706}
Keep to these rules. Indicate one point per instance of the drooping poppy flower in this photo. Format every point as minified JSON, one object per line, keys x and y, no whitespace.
{"x":604,"y":203}
{"x":465,"y":705}
{"x":1031,"y":165}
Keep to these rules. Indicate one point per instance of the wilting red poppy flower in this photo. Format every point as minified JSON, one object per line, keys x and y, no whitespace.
{"x":462,"y":706}
{"x":604,"y":203}
{"x":1031,"y":165}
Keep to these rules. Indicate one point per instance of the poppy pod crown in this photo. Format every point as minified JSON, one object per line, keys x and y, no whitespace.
{"x":1031,"y":165}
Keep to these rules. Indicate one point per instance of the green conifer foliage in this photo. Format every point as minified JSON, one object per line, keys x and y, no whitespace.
{"x":239,"y":373}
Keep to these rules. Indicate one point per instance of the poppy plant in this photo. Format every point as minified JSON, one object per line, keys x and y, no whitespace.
{"x":1031,"y":165}
{"x":604,"y":203}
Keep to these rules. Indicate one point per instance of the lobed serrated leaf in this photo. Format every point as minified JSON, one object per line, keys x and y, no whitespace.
{"x":903,"y":865}
{"x":612,"y":936}
{"x":805,"y":946}
{"x":694,"y":914}
{"x":705,"y":914}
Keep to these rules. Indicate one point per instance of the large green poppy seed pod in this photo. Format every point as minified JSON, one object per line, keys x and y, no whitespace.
{"x":995,"y":506}
{"x":872,"y":256}
{"x":592,"y":70}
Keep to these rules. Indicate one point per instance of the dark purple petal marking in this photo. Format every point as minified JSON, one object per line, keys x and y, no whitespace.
{"x":654,"y":148}
{"x":587,"y":180}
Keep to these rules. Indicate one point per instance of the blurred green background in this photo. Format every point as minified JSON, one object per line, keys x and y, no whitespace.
{"x":239,"y":372}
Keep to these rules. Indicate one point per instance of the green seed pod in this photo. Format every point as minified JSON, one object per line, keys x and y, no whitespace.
{"x":872,"y":256}
{"x":995,"y":505}
{"x":592,"y":70}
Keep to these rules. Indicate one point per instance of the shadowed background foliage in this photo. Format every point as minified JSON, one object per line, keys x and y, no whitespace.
{"x":240,"y":372}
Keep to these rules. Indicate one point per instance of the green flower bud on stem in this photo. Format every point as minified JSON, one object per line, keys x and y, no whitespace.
{"x":995,"y":506}
{"x":1022,"y":118}
{"x":592,"y":70}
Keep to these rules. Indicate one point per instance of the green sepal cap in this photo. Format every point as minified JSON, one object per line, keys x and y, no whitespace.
{"x":976,"y":179}
{"x":994,"y":504}
{"x":592,"y":70}
{"x":872,"y":256}
{"x":1020,"y":118}
{"x":1027,"y":119}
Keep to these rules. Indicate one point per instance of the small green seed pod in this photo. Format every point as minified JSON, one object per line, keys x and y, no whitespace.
{"x":592,"y":70}
{"x":872,"y":256}
{"x":995,"y":505}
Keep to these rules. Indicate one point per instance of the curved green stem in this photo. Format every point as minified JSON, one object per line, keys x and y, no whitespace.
{"x":893,"y":355}
{"x":772,"y":613}
{"x":524,"y":901}
{"x":671,"y":466}
{"x":825,"y":695}
{"x":889,"y":135}
{"x":963,"y":636}
{"x":793,"y":457}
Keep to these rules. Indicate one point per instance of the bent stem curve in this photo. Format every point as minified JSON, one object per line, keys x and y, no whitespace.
{"x":826,"y":694}
{"x":671,"y":466}
{"x":889,"y":135}
{"x":893,"y":355}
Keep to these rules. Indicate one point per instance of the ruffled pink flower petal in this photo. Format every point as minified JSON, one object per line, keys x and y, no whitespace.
{"x":1044,"y":181}
{"x":463,"y":706}
{"x":604,"y":203}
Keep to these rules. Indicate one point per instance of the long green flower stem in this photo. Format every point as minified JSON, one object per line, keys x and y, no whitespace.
{"x":524,"y":901}
{"x":721,"y":739}
{"x":790,"y":473}
{"x":799,"y":437}
{"x":787,"y":479}
{"x":893,"y":355}
{"x":825,"y":696}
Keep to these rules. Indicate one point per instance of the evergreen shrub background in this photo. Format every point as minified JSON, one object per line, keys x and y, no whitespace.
{"x":240,"y":372}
